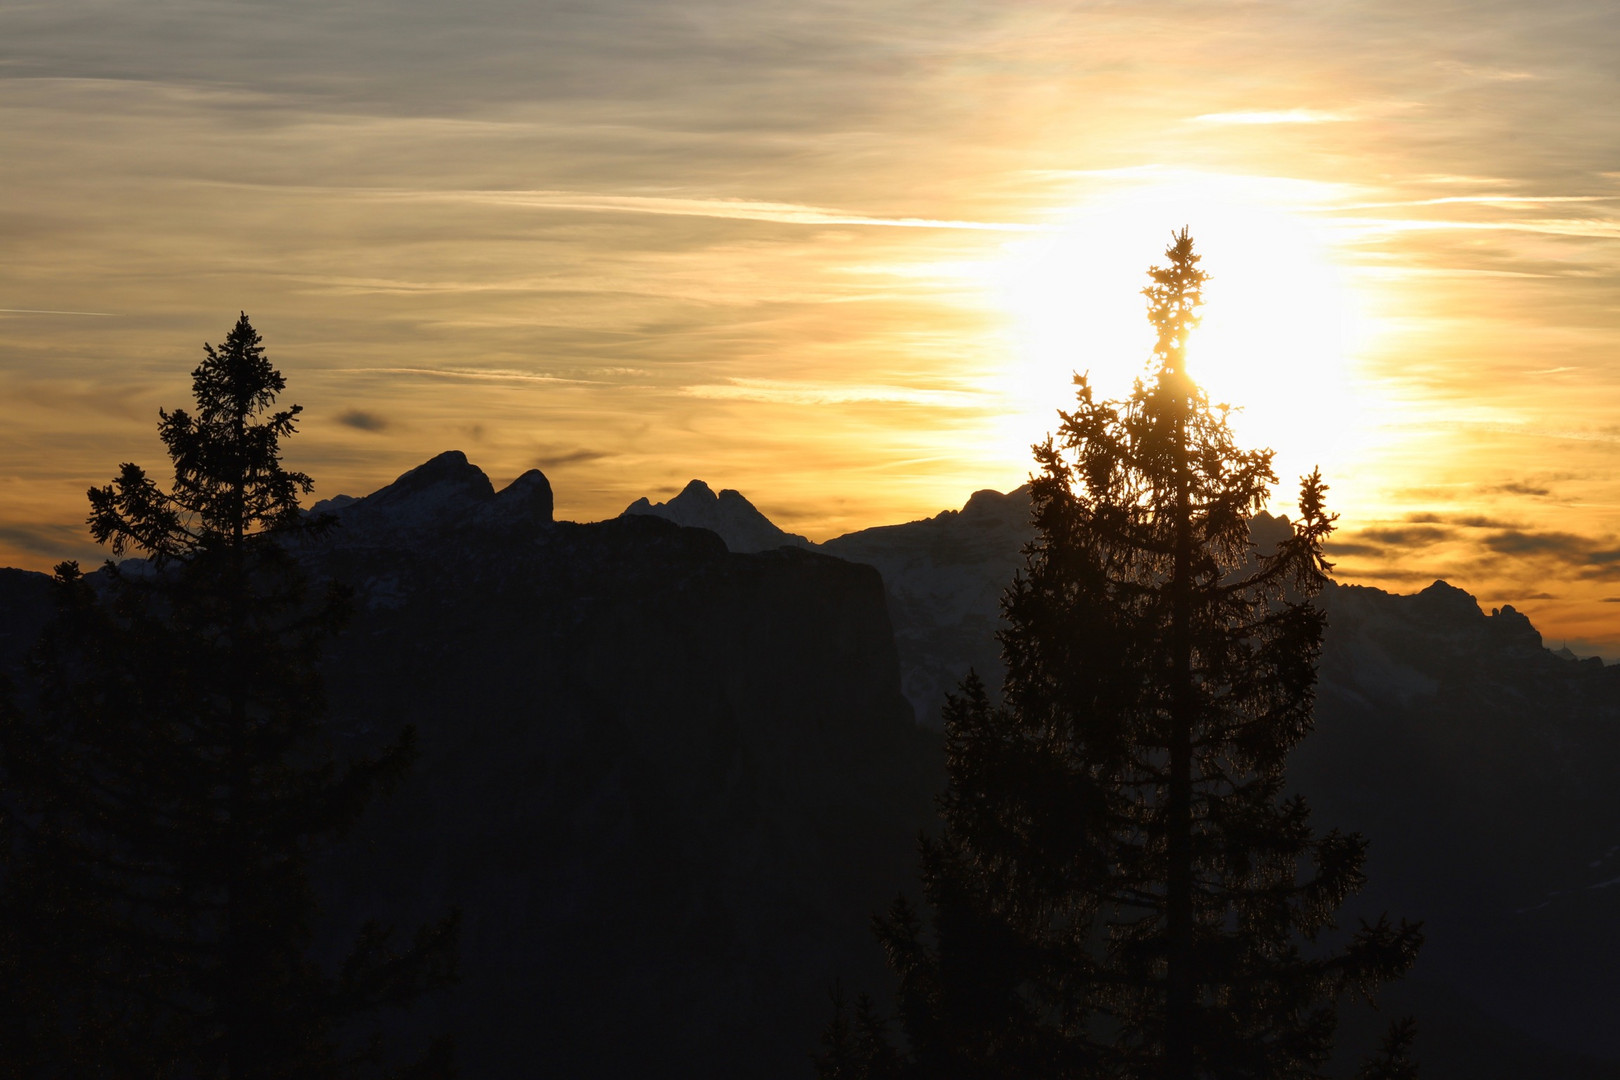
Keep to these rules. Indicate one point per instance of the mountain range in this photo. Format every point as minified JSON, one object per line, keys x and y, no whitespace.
{"x":673,"y":761}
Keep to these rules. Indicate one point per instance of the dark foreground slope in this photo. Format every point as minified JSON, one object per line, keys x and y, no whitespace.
{"x":24,"y":600}
{"x":666,"y":784}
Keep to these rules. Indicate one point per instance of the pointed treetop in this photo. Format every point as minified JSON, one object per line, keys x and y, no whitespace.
{"x":229,"y":482}
{"x":235,"y":378}
{"x":1173,"y":301}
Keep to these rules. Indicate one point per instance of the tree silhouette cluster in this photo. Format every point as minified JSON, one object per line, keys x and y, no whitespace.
{"x":1122,"y":886}
{"x":171,"y":774}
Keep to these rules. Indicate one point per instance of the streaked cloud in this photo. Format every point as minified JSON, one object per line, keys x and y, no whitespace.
{"x":51,"y":542}
{"x":37,"y":311}
{"x":474,"y":374}
{"x":730,"y":209}
{"x":1493,"y":74}
{"x":1572,"y":227}
{"x":578,"y":455}
{"x":1275,"y":116}
{"x":841,"y":393}
{"x":1486,"y":200}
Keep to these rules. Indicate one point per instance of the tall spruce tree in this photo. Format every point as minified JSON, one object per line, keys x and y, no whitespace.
{"x":174,"y":774}
{"x":1122,"y":887}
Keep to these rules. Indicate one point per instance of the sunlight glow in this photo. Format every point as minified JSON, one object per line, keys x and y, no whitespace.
{"x":1280,"y":329}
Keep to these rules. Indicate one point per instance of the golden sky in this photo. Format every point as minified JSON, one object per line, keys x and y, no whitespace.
{"x":841,"y":256}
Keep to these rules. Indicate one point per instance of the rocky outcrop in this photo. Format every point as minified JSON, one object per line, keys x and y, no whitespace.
{"x":444,"y":493}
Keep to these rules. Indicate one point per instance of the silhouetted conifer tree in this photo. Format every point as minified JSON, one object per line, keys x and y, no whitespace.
{"x":173,"y":774}
{"x":1122,"y":888}
{"x":856,"y":1046}
{"x":1394,"y":1058}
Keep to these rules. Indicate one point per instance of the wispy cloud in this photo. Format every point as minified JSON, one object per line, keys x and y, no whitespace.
{"x":829,"y":393}
{"x":1482,"y":200}
{"x":475,"y":374}
{"x":577,"y":456}
{"x":676,"y":206}
{"x":1487,"y":73}
{"x":1573,"y":227}
{"x":1274,"y":116}
{"x":44,"y":311}
{"x":51,"y":540}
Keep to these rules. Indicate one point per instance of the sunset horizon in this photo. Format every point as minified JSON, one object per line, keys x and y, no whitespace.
{"x":850,"y":276}
{"x":789,"y":539}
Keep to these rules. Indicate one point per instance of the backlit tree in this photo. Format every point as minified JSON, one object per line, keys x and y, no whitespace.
{"x":175,"y":773}
{"x":1123,"y":886}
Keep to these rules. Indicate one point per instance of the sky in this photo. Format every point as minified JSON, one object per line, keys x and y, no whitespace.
{"x":841,"y":256}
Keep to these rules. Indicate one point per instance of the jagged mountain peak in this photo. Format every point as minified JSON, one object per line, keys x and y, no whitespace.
{"x":729,"y":515}
{"x":445,"y":490}
{"x":529,"y":495}
{"x":991,"y":503}
{"x":1444,"y":596}
{"x":449,"y":472}
{"x":696,"y":491}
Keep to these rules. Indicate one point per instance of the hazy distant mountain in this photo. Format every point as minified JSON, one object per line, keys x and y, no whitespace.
{"x":1483,"y":768}
{"x":728,"y":515}
{"x":944,"y":577}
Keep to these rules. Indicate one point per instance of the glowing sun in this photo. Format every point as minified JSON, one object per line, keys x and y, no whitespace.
{"x":1279,"y":323}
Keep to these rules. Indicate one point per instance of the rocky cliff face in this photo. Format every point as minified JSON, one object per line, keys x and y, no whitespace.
{"x":942,"y":576}
{"x":665,"y":782}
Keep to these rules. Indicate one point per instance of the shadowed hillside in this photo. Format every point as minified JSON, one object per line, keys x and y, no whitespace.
{"x":667,"y":782}
{"x":664,"y":782}
{"x":1482,"y":766}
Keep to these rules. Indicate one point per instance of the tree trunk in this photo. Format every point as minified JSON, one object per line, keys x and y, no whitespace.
{"x":1180,"y":988}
